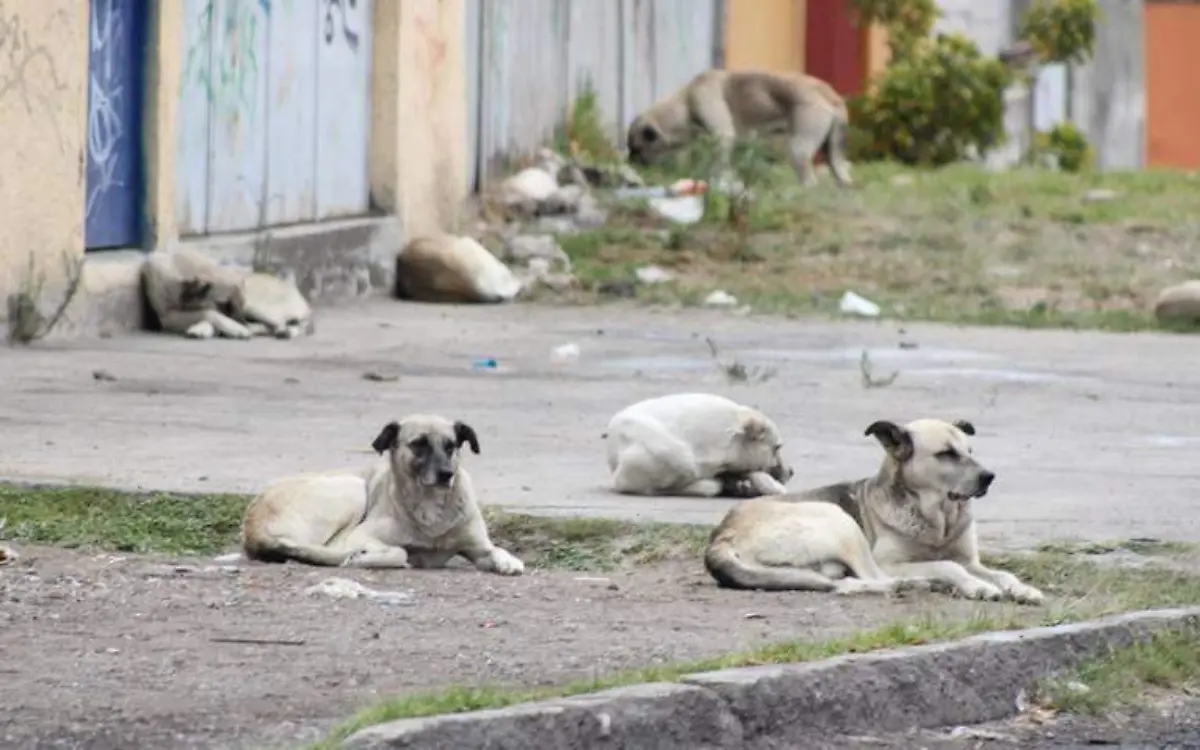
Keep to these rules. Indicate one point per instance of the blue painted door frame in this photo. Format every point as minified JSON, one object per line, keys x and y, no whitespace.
{"x":116,"y":65}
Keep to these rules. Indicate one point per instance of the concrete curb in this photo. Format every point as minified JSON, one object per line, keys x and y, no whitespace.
{"x":968,"y":681}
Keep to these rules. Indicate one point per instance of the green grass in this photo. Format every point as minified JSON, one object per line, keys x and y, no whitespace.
{"x":1127,"y":677}
{"x":956,"y":244}
{"x":185,"y":524}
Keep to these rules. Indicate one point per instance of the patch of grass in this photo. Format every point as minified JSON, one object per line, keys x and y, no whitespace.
{"x":185,"y":524}
{"x":1138,"y":546}
{"x":96,"y":518}
{"x":1029,"y":247}
{"x":1127,"y":676}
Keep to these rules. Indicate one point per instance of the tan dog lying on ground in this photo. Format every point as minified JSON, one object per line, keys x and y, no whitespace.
{"x":446,"y":268}
{"x":695,"y":444}
{"x":414,"y":507}
{"x":193,"y":296}
{"x":728,"y":104}
{"x":910,"y":525}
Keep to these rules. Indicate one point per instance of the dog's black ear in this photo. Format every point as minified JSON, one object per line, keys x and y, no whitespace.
{"x":463,"y":433}
{"x":894,"y":439}
{"x":965,"y":426}
{"x":388,"y":438}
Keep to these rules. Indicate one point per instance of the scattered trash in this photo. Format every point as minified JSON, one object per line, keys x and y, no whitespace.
{"x":565,"y":354}
{"x":103,"y":376}
{"x":685,"y":209}
{"x":853,"y":304}
{"x":485,"y":363}
{"x":634,"y":193}
{"x":1099,"y":195}
{"x":260,"y":641}
{"x":653,"y":275}
{"x":868,"y":377}
{"x":973,"y":733}
{"x":754,"y":616}
{"x":688,"y":187}
{"x":231,"y":557}
{"x":736,"y":371}
{"x":489,"y":623}
{"x":378,"y":377}
{"x":344,"y":588}
{"x":909,"y":345}
{"x":720,"y":298}
{"x":1075,"y":687}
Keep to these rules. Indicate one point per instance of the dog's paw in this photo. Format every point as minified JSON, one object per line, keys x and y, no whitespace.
{"x":506,"y":564}
{"x":981,"y":591}
{"x":913,"y":585}
{"x":1022,"y":594}
{"x":201,"y":330}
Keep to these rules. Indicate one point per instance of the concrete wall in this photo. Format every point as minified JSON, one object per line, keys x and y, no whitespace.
{"x":43,"y":105}
{"x":412,"y":150}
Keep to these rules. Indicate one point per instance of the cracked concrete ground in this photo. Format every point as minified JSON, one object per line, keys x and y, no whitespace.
{"x":1092,"y":434}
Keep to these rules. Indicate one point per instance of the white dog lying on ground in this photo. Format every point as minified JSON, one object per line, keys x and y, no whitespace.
{"x":415,"y":507}
{"x":696,"y":444}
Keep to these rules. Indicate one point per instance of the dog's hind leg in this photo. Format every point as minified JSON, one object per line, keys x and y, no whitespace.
{"x":382,"y":558}
{"x":283,"y":549}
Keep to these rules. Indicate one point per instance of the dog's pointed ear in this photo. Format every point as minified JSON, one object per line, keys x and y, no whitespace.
{"x":894,"y":439}
{"x":389,"y":438}
{"x":965,"y":426}
{"x":751,"y":426}
{"x":464,"y":433}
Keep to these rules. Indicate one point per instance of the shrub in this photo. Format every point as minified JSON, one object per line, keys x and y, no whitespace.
{"x":1061,"y":30}
{"x":907,"y":21}
{"x":1067,"y":144}
{"x":933,"y":105}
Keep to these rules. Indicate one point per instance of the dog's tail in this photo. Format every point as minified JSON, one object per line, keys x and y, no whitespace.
{"x":280,"y":550}
{"x":731,"y":570}
{"x":833,"y":148}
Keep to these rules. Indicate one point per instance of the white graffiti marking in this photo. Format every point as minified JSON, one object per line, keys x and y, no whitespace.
{"x":104,"y":127}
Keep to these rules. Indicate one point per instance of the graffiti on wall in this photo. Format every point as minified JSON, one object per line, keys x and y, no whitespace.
{"x":227,"y":68}
{"x":27,"y":67}
{"x":331,"y":27}
{"x":105,"y":91}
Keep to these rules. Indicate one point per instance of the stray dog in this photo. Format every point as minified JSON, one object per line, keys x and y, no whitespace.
{"x":193,"y":296}
{"x":695,"y":444}
{"x":909,"y":526}
{"x":728,"y":104}
{"x":414,"y":508}
{"x":445,"y":268}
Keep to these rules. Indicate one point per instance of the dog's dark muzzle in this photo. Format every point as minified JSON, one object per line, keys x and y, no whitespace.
{"x":782,"y":473}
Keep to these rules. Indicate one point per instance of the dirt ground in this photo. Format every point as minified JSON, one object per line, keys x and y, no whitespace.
{"x":111,"y":651}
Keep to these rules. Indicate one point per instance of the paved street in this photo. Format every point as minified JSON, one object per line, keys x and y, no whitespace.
{"x":1092,"y":435}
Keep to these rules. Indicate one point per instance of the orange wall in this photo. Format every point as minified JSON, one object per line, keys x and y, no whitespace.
{"x":1172,"y":84}
{"x":765,"y":34}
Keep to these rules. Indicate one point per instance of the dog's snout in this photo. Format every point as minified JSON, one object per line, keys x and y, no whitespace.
{"x":444,"y":476}
{"x":986,"y":479}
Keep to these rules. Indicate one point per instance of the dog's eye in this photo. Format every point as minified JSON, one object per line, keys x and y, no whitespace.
{"x":449,"y":446}
{"x":949,"y":454}
{"x":419,"y":445}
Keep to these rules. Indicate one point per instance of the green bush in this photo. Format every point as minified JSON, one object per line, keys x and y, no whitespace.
{"x":1067,"y":144}
{"x":932,"y":105}
{"x":907,"y":21}
{"x":1061,"y":30}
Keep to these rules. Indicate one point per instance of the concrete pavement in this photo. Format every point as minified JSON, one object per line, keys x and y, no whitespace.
{"x":1092,"y":435}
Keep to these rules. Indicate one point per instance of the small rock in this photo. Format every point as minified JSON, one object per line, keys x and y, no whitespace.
{"x":621,"y":288}
{"x":379,"y":377}
{"x":853,"y":304}
{"x":557,"y":225}
{"x":525,"y":191}
{"x":104,"y":376}
{"x":564,"y":200}
{"x":8,"y":555}
{"x":653,"y":275}
{"x":1179,"y":303}
{"x":589,"y":214}
{"x":524,"y":248}
{"x":720,"y":298}
{"x":344,"y":588}
{"x":1100,"y":195}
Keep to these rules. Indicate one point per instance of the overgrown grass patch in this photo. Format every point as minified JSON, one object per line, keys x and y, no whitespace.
{"x":204,"y":524}
{"x":1028,"y":247}
{"x":1126,"y":677}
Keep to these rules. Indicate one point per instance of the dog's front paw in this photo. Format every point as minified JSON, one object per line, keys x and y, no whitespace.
{"x":915,"y":585}
{"x":505,"y":563}
{"x":981,"y":591}
{"x":1022,"y":594}
{"x":201,"y":330}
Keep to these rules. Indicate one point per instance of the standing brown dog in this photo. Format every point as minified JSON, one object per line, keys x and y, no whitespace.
{"x":728,"y":104}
